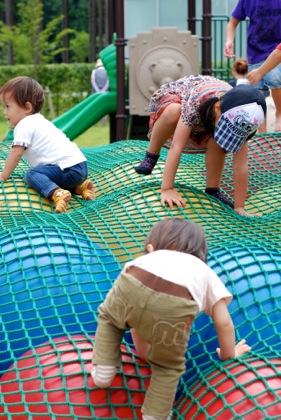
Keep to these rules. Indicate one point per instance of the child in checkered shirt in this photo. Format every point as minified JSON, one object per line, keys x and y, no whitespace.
{"x":204,"y":114}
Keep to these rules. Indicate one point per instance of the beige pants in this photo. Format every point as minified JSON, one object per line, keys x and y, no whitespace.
{"x":161,"y":319}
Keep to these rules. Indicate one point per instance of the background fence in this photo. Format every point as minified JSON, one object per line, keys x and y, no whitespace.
{"x":221,"y":66}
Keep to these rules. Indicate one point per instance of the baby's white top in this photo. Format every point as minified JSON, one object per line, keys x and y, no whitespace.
{"x":186,"y":270}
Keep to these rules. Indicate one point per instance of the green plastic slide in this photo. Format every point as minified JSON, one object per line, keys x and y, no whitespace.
{"x":87,"y":113}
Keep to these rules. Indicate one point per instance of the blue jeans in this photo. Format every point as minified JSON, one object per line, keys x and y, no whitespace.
{"x":47,"y":178}
{"x":272,"y":80}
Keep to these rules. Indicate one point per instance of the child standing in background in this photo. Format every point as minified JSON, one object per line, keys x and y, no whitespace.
{"x":58,"y":167}
{"x":99,"y":78}
{"x":158,"y":296}
{"x":239,"y":71}
{"x":100,"y":81}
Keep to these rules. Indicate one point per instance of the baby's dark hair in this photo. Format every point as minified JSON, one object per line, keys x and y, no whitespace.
{"x":240,"y":65}
{"x":180,"y":235}
{"x":24,"y":89}
{"x":207,"y":114}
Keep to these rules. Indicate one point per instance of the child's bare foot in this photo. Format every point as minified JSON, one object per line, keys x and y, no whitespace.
{"x":243,"y":212}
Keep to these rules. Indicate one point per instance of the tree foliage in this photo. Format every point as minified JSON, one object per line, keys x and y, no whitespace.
{"x":79,"y":46}
{"x":37,"y":35}
{"x":61,"y":80}
{"x":41,"y":45}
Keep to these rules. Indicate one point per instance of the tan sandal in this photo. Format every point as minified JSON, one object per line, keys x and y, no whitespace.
{"x":86,"y":190}
{"x":61,"y":199}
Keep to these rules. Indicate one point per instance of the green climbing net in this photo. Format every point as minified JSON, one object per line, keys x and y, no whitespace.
{"x":57,"y":268}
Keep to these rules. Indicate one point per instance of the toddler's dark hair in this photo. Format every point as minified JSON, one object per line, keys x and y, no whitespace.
{"x":24,"y":89}
{"x":179,"y":235}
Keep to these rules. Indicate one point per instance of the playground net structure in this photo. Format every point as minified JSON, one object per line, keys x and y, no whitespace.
{"x":57,"y":268}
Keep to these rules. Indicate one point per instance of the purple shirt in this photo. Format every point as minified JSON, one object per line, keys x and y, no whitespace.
{"x":264,"y":31}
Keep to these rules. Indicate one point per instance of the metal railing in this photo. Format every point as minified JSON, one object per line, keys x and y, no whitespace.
{"x":221,"y":66}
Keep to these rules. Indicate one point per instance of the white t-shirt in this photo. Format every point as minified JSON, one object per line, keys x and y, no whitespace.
{"x":186,"y":270}
{"x":242,"y":81}
{"x":45,"y":144}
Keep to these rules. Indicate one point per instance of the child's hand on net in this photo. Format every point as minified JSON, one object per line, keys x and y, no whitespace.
{"x":240,"y":349}
{"x":171,"y":197}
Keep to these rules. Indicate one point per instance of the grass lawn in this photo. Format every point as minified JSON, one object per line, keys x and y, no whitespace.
{"x":95,"y":136}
